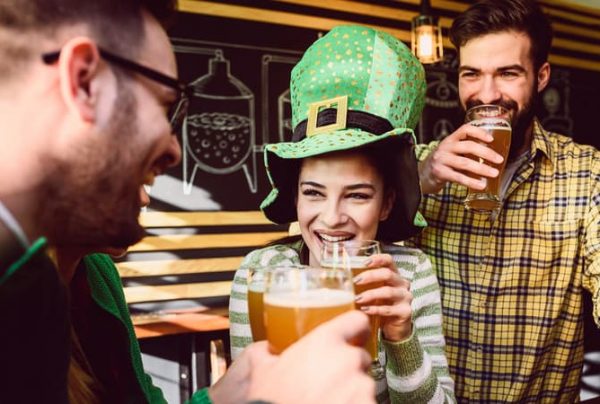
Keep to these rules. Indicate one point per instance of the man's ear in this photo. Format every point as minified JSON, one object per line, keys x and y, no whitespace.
{"x":78,"y":66}
{"x":388,"y":204}
{"x":543,"y":76}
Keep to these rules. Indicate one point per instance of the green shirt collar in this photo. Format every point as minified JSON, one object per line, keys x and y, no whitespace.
{"x":36,"y":248}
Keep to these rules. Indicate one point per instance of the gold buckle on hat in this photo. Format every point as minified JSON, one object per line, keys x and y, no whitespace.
{"x":340,"y":118}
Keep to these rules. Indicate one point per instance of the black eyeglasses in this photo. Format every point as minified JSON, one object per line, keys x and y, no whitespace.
{"x":179,"y":109}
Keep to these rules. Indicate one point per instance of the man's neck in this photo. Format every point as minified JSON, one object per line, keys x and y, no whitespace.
{"x":25,"y":212}
{"x":66,"y":260}
{"x":525,"y":147}
{"x":24,"y":184}
{"x":11,"y":248}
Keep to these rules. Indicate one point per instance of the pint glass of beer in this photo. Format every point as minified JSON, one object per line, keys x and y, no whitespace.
{"x":297,"y":300}
{"x":352,"y":257}
{"x":256,"y":287}
{"x":495,"y":120}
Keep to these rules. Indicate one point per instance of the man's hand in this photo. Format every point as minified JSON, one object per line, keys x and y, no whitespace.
{"x":450,"y":161}
{"x":325,"y":366}
{"x":233,"y":386}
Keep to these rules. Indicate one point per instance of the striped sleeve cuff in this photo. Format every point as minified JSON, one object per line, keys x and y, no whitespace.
{"x":404,"y":357}
{"x":409,"y":373}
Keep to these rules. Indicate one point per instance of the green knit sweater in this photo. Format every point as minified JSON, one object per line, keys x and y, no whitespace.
{"x":107,"y":293}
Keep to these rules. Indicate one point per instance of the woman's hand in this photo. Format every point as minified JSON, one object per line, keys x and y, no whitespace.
{"x":390,"y":299}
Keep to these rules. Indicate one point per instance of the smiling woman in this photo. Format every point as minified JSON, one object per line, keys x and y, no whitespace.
{"x":350,"y":173}
{"x":341,"y":196}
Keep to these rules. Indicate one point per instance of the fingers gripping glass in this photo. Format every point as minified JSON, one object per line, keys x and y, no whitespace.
{"x":352,"y":256}
{"x":178,"y":110}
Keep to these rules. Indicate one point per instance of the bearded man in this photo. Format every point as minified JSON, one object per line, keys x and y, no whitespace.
{"x":511,"y":281}
{"x":89,"y":107}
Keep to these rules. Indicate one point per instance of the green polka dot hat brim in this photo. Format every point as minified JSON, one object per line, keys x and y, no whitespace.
{"x":354,"y":88}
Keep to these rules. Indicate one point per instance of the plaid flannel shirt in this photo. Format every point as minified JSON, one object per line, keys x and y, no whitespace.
{"x":512,"y":287}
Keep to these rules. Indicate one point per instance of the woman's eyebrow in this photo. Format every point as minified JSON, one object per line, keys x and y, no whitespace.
{"x":352,"y":187}
{"x":312,"y":184}
{"x":360,"y":186}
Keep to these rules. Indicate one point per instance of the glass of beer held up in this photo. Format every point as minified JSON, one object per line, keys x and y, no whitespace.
{"x":256,"y":287}
{"x":352,"y":256}
{"x":495,"y":120}
{"x":298,"y":299}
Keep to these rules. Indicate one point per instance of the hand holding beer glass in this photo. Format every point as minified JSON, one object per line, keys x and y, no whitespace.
{"x":352,"y":256}
{"x":495,"y":120}
{"x":298,"y":299}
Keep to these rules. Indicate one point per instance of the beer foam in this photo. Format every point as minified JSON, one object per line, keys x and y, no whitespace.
{"x":502,"y":128}
{"x":322,"y":297}
{"x":491,"y":124}
{"x":346,"y":262}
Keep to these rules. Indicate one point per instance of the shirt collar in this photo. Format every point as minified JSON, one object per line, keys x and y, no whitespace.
{"x":541,"y":141}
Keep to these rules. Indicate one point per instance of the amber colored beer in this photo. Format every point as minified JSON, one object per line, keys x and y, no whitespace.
{"x":256,"y":313}
{"x":357,"y":266}
{"x":489,"y":198}
{"x":290,"y":315}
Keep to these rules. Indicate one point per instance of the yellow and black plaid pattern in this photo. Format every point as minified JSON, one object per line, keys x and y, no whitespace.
{"x":512,"y":286}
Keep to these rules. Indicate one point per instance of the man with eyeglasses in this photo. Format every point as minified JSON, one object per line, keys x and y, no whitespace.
{"x":88,"y":107}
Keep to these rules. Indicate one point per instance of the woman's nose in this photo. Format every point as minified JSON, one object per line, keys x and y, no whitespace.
{"x":333,"y":215}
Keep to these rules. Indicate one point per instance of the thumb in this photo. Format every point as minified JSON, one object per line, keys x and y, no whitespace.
{"x":351,"y":327}
{"x":258,"y":353}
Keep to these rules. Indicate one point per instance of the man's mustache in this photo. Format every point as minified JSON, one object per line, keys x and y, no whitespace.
{"x":508,"y":104}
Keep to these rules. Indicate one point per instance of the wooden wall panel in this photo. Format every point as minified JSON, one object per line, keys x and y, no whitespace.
{"x":577,"y":28}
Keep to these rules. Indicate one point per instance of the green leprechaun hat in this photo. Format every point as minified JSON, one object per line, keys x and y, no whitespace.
{"x":355,"y":87}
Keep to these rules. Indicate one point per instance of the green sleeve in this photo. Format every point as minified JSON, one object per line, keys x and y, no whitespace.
{"x":200,"y":397}
{"x":153,"y":393}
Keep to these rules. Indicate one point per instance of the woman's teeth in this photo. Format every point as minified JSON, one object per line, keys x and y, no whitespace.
{"x":334,"y":239}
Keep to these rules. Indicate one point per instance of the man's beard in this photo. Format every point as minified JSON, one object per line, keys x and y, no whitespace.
{"x":95,"y":215}
{"x":521,"y":120}
{"x":94,"y":202}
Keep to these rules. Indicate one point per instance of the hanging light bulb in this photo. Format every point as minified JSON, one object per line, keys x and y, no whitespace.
{"x":426,"y":35}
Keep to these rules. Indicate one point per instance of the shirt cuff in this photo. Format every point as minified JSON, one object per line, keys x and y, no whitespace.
{"x":403,"y":357}
{"x":592,"y":283}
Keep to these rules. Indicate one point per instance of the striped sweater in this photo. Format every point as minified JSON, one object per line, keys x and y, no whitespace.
{"x":416,"y":369}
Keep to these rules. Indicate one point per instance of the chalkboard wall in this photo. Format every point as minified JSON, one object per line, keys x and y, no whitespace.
{"x":240,"y":71}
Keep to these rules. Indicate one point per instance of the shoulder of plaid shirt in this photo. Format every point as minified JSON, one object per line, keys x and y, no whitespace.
{"x":416,"y":369}
{"x":512,"y":287}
